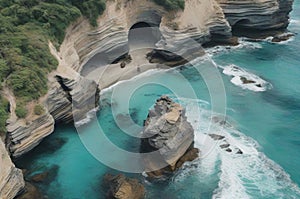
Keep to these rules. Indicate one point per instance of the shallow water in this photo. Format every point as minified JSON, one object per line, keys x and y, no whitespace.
{"x":264,"y":125}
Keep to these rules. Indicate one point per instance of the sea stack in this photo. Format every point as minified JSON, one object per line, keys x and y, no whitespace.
{"x":167,"y":131}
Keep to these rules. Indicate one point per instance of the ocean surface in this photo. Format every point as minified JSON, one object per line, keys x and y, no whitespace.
{"x":262,"y":121}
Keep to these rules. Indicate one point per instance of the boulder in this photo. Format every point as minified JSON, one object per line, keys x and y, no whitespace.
{"x":30,"y":192}
{"x":216,"y":137}
{"x":121,"y":187}
{"x":247,"y":81}
{"x":282,"y":37}
{"x":224,"y":146}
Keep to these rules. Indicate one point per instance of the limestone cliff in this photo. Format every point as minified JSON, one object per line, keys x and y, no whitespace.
{"x":24,"y":135}
{"x":70,"y":98}
{"x":257,"y":14}
{"x":11,"y":178}
{"x":85,"y":48}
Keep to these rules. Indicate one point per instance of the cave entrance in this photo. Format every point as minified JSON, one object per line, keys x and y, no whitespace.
{"x":242,"y":28}
{"x":143,"y":35}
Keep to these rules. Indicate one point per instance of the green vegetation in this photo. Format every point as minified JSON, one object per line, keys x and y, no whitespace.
{"x":4,"y":106}
{"x":39,"y":109}
{"x":21,"y":111}
{"x":26,"y":27}
{"x":171,"y":4}
{"x":90,"y":8}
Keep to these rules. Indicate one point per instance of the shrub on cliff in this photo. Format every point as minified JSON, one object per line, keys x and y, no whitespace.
{"x":4,"y":105}
{"x":39,"y":109}
{"x":171,"y":4}
{"x":21,"y":112}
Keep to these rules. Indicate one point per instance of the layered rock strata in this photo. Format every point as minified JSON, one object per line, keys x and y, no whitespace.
{"x":257,"y":14}
{"x":69,"y":98}
{"x":168,"y":132}
{"x":24,"y":135}
{"x":85,"y":49}
{"x":11,"y":178}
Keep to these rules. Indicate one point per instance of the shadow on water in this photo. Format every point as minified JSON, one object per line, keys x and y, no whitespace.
{"x":286,"y":102}
{"x":48,"y":146}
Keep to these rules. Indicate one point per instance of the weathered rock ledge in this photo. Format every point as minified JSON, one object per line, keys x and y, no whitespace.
{"x":167,"y":131}
{"x":72,"y":97}
{"x":23,"y":136}
{"x":256,"y":15}
{"x":11,"y":178}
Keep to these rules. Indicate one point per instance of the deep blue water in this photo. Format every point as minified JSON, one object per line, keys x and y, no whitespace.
{"x":264,"y":125}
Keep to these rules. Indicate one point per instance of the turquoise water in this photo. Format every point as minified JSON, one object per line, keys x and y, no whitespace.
{"x":264,"y":125}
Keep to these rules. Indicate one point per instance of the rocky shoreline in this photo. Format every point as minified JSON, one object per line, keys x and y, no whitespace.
{"x":75,"y":87}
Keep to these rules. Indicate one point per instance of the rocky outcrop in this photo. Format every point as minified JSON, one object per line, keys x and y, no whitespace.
{"x":167,"y":131}
{"x":121,"y":187}
{"x":72,"y":97}
{"x":11,"y":178}
{"x":30,"y":192}
{"x":23,"y":136}
{"x":257,"y":14}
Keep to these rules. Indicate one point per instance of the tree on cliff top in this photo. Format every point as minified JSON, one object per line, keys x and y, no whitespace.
{"x":171,"y":4}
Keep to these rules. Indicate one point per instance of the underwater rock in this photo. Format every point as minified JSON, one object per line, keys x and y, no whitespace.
{"x":45,"y":176}
{"x":30,"y":192}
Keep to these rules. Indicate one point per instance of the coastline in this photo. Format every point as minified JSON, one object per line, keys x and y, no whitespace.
{"x":111,"y":75}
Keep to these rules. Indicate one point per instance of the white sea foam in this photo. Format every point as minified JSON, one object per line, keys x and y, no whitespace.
{"x":257,"y":84}
{"x":247,"y":175}
{"x":243,"y":44}
{"x":291,"y":38}
{"x":294,"y":24}
{"x":89,"y":116}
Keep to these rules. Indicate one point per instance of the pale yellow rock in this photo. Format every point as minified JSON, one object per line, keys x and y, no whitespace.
{"x":11,"y":178}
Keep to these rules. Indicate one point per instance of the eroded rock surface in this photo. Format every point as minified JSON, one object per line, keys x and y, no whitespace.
{"x":11,"y":178}
{"x":168,"y":132}
{"x":121,"y":187}
{"x":72,"y":97}
{"x":23,"y":136}
{"x":257,"y":14}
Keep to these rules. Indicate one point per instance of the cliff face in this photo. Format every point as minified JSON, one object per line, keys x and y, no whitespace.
{"x":70,"y":98}
{"x":257,"y":14}
{"x":11,"y":178}
{"x":23,"y":136}
{"x":85,"y":49}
